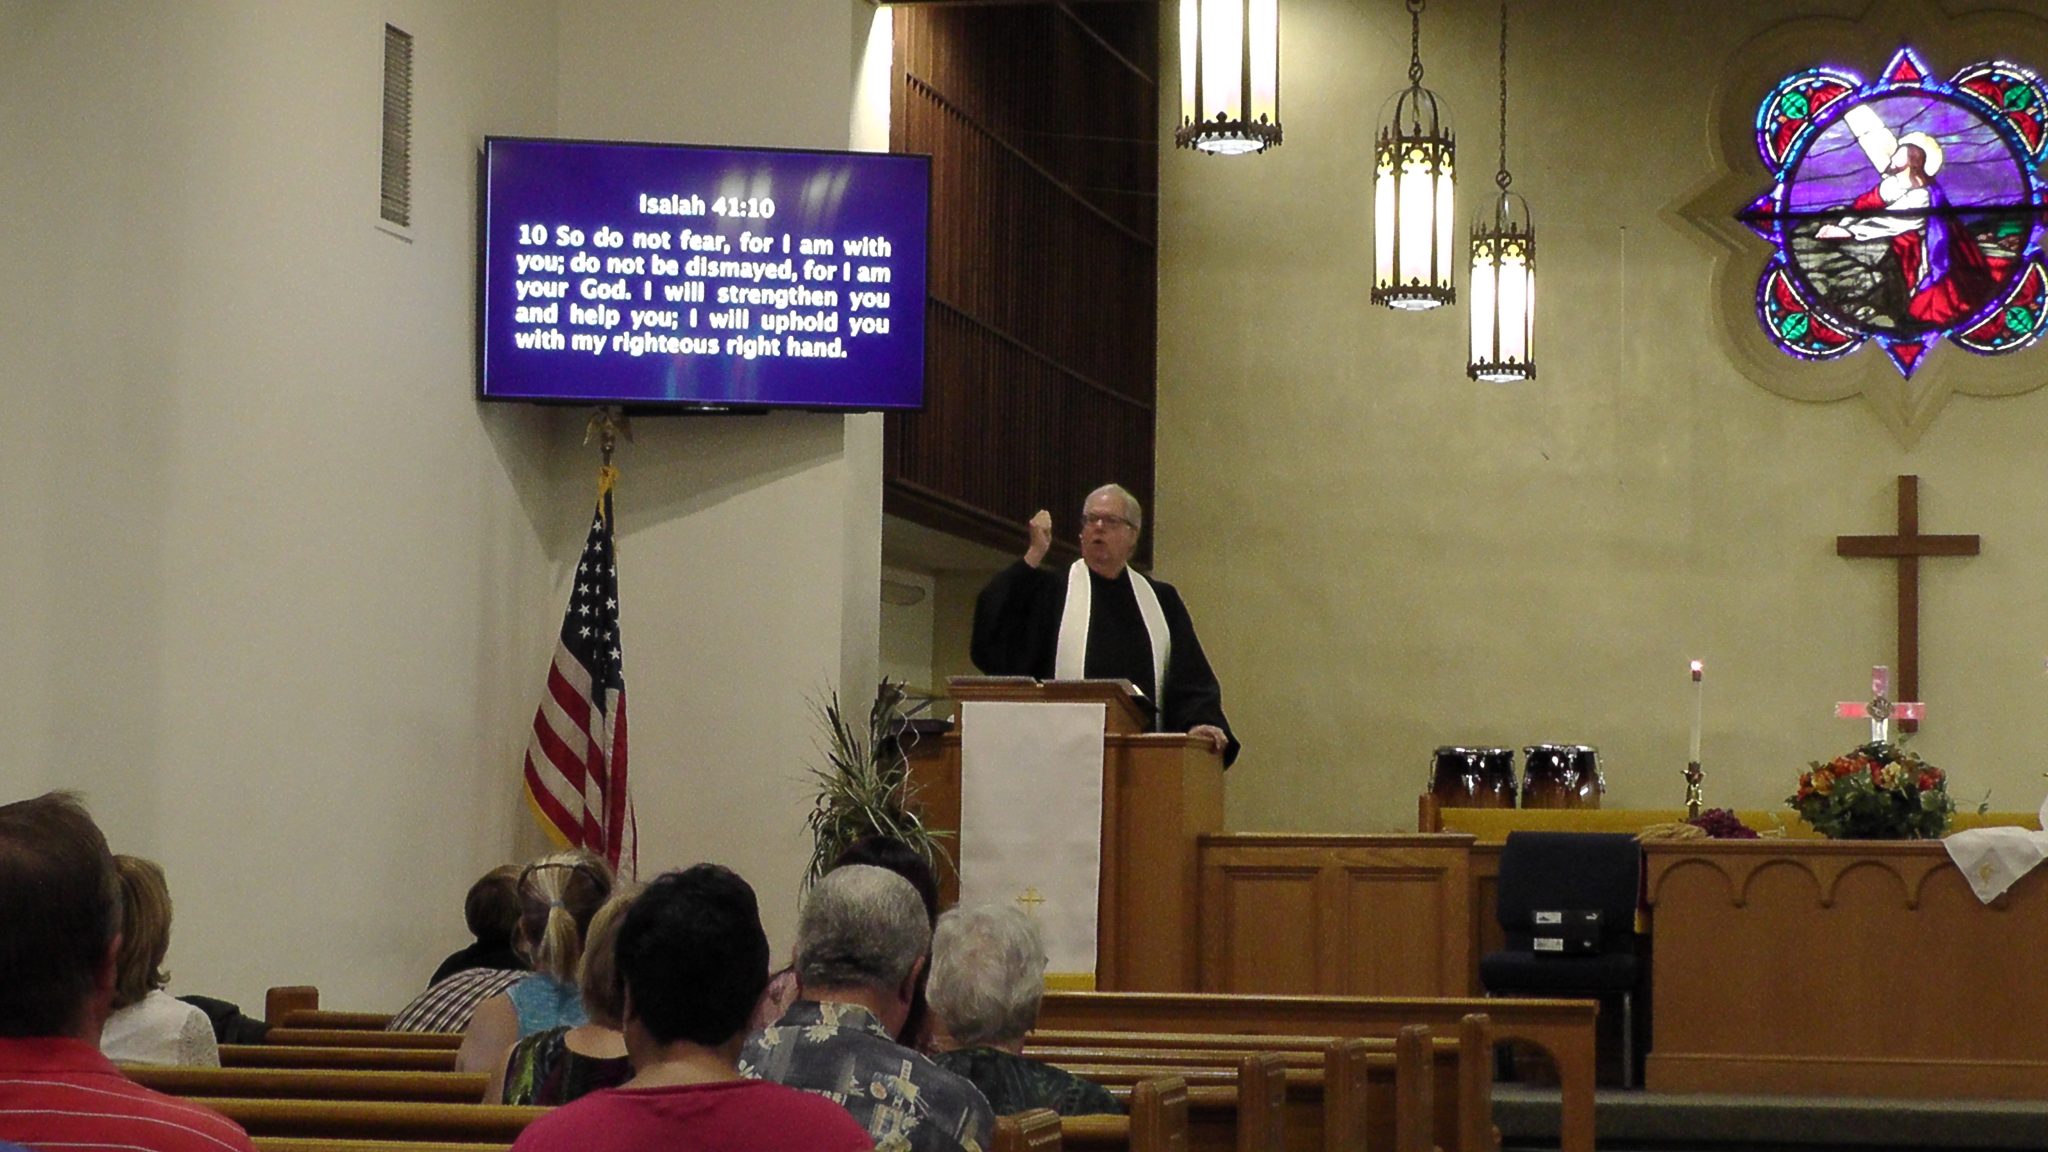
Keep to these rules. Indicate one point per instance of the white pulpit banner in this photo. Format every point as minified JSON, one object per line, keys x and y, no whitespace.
{"x":1031,"y":822}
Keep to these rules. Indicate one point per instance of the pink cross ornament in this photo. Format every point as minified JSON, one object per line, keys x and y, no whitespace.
{"x":1881,"y":708}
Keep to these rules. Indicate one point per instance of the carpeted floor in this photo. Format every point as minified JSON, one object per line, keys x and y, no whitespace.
{"x":1650,"y":1122}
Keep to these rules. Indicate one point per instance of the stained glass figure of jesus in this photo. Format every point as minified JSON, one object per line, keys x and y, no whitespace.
{"x":1942,"y":265}
{"x":1904,"y":210}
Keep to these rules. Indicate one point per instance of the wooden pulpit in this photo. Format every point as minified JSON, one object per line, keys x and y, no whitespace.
{"x":1160,"y":792}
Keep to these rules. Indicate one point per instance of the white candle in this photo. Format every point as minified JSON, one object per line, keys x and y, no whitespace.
{"x":1698,"y":688}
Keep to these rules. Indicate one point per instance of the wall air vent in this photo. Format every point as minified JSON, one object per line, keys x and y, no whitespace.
{"x":397,"y":175}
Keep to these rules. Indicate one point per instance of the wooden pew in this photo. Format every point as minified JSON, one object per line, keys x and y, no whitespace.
{"x":365,"y":1059}
{"x":375,"y":1119}
{"x":362,"y":1038}
{"x":322,"y":1018}
{"x":320,"y":1144}
{"x":1237,"y":1108}
{"x":1350,"y":1099}
{"x":1158,"y":1122}
{"x":283,"y":1000}
{"x":1035,"y":1131}
{"x":1319,"y":1069}
{"x":1563,"y":1028}
{"x":312,"y":1084}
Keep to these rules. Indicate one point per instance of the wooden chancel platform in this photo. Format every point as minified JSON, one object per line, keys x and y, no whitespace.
{"x":1695,"y":1122}
{"x":1803,"y":993}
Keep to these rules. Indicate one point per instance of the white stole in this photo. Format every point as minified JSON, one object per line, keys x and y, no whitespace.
{"x":1070,"y":658}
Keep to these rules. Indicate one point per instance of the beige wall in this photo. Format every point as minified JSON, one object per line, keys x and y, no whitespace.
{"x":280,"y":593}
{"x":275,"y":581}
{"x":1385,"y":557}
{"x":754,"y":541}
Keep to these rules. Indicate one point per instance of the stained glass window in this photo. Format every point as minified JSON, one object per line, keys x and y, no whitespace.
{"x":1903,"y":210}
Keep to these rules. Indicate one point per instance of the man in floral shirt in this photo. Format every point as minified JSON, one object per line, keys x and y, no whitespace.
{"x":861,"y":943}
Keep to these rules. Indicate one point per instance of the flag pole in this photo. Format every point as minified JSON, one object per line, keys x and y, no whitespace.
{"x":574,"y":774}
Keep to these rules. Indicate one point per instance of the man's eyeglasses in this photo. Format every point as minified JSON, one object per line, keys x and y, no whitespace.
{"x":1104,"y":520}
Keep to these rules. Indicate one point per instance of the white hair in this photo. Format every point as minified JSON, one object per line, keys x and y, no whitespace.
{"x":1133,"y":511}
{"x":862,"y":927}
{"x":988,"y":974}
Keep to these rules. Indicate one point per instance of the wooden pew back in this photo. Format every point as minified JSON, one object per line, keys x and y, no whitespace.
{"x":361,"y":1038}
{"x":324,"y":1019}
{"x":1158,"y":1122}
{"x":313,"y":1084}
{"x":1563,"y":1028}
{"x":1236,"y":1107}
{"x":375,"y":1120}
{"x":1350,"y":1078}
{"x":1035,"y":1131}
{"x":365,"y":1059}
{"x":1350,"y":1096}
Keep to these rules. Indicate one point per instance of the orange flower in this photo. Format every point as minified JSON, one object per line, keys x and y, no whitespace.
{"x":1823,"y":783}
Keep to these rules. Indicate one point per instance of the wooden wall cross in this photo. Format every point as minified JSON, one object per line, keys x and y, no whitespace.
{"x":1907,"y":546}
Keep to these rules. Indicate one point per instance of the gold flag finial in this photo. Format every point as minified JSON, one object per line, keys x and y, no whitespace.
{"x":607,"y":424}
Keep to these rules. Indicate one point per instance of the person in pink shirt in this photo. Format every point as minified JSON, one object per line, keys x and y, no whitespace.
{"x":60,"y":902}
{"x":693,"y":960}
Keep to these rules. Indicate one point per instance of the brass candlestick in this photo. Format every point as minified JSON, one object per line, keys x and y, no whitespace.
{"x":1693,"y":777}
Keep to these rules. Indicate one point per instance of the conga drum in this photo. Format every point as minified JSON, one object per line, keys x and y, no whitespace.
{"x":1473,"y":777}
{"x":1561,"y":776}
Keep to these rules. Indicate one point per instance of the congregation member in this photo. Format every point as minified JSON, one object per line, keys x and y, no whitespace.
{"x":692,"y":959}
{"x":1099,"y":619}
{"x":988,"y":976}
{"x":491,"y":910}
{"x":149,"y":1025}
{"x":450,"y":1004}
{"x":60,"y":903}
{"x":862,"y":941}
{"x":558,"y":896}
{"x":564,"y":1063}
{"x":474,"y":974}
{"x":905,"y":861}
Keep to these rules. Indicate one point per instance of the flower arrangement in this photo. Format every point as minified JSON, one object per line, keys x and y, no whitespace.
{"x":1879,"y":791}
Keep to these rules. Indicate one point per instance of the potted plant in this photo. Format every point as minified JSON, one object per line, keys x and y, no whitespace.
{"x":864,"y":786}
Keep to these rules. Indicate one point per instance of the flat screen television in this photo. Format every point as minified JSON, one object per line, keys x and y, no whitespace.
{"x":667,"y":275}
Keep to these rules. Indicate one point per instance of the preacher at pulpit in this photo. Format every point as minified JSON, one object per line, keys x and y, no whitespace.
{"x":1099,"y":620}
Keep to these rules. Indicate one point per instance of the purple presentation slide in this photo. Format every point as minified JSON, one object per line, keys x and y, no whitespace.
{"x":700,"y":277}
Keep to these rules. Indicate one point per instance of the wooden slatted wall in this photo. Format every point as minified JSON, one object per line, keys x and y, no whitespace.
{"x":1042,"y":123}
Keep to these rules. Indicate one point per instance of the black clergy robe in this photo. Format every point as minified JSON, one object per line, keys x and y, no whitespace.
{"x":1017,"y":632}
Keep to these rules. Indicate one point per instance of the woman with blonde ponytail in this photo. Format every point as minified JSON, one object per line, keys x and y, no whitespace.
{"x":558,"y":896}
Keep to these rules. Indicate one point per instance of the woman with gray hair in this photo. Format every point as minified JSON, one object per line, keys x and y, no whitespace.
{"x":988,"y":974}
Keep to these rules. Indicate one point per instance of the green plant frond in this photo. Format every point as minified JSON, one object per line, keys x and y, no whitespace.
{"x":863,"y":786}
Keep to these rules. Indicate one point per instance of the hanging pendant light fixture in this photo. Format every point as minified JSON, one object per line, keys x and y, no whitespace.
{"x":1412,"y":193}
{"x":1229,"y":76}
{"x":1503,"y":268}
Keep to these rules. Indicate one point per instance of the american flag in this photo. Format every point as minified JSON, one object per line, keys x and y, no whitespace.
{"x":576,"y":757}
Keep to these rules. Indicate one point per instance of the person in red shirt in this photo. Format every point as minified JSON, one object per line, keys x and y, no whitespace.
{"x":60,"y":903}
{"x":693,"y":959}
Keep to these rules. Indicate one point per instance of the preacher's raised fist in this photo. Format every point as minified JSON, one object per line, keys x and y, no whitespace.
{"x":1041,"y":538}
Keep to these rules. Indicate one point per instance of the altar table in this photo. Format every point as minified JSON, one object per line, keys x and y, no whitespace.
{"x":1863,"y":968}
